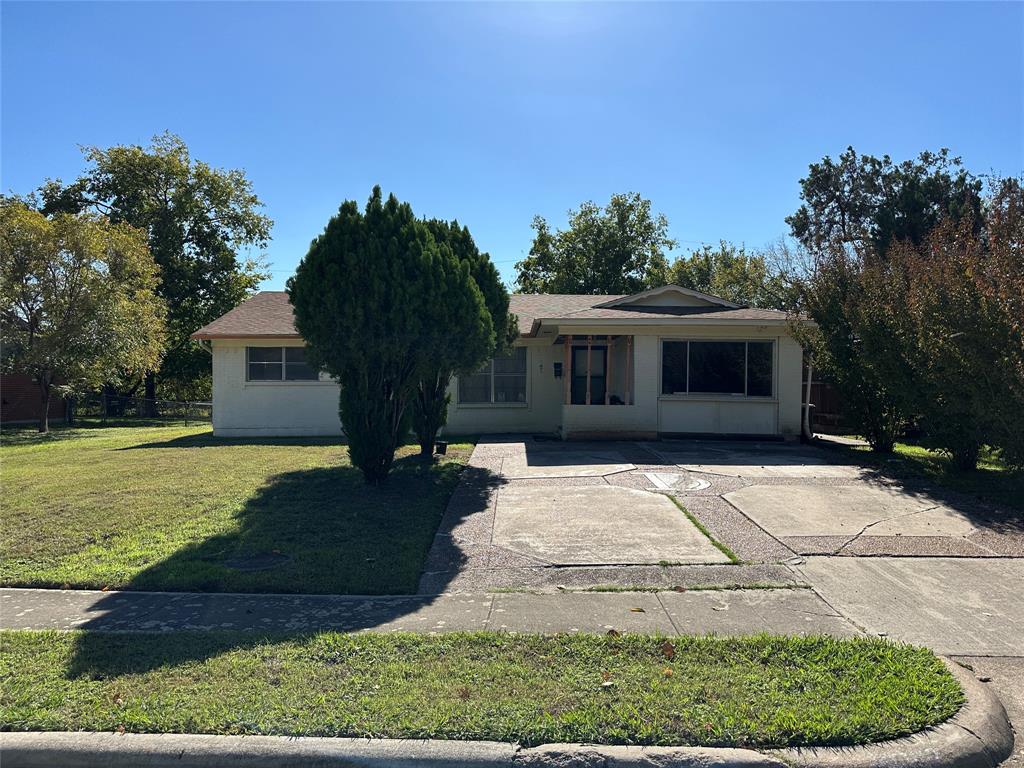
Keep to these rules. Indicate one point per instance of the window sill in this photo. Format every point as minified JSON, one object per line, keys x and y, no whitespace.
{"x":297,"y":383}
{"x":492,"y":405}
{"x":717,"y":398}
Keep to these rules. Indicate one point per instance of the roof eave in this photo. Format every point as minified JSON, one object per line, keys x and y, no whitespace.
{"x":207,"y":336}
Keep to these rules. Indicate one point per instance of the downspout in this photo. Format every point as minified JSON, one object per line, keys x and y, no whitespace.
{"x":806,"y":425}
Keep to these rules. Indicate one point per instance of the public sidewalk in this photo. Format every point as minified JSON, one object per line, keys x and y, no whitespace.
{"x":788,"y":611}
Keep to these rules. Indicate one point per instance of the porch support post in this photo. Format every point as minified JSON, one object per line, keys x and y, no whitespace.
{"x":608,"y":372}
{"x":629,"y":368}
{"x":567,"y":367}
{"x":590,"y":340}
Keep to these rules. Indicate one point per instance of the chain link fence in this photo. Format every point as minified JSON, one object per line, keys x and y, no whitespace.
{"x":105,"y":408}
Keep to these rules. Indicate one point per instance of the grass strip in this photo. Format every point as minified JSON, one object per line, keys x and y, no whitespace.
{"x":703,"y":529}
{"x":730,"y":587}
{"x":758,"y":691}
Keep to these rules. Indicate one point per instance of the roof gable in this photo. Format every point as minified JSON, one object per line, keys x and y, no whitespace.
{"x":668,"y":296}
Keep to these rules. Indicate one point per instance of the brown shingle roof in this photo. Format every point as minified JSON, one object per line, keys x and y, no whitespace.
{"x":269,"y":315}
{"x":266,"y":315}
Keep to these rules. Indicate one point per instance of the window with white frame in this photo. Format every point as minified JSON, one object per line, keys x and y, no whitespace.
{"x":501,"y":380}
{"x":278,"y":364}
{"x":717,"y":368}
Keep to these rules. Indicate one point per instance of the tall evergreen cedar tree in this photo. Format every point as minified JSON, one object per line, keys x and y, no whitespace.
{"x":453,"y":357}
{"x":78,"y":305}
{"x":381,"y":304}
{"x":197,"y":219}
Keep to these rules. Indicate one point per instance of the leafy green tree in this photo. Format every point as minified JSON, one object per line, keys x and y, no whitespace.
{"x":733,"y":273}
{"x":619,"y":248}
{"x":465,"y":349}
{"x":864,"y":200}
{"x":77,"y":300}
{"x":851,"y":343}
{"x":370,"y":299}
{"x":197,"y":219}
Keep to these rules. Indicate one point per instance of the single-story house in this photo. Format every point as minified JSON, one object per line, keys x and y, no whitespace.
{"x":667,"y":361}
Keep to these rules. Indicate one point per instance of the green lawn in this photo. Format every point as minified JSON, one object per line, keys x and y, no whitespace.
{"x":992,"y":481}
{"x":629,"y":689}
{"x":173,"y":508}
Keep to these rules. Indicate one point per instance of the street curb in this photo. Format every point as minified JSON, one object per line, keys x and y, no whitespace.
{"x":978,"y":736}
{"x":139,"y":750}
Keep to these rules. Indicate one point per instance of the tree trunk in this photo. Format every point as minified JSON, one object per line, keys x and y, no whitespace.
{"x":965,"y":457}
{"x":44,"y":416}
{"x":149,"y":404}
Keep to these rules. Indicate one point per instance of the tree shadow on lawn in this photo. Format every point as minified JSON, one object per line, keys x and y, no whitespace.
{"x":303,"y":542}
{"x":209,"y":440}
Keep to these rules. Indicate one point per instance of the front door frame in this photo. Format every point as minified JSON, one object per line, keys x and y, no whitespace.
{"x":601,"y":349}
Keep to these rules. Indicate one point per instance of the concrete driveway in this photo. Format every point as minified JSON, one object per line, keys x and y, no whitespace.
{"x":806,"y":499}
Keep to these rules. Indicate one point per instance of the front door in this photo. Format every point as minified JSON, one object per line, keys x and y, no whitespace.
{"x":598,"y":363}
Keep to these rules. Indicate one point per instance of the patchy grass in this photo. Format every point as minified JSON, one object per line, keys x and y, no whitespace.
{"x":993,"y":481}
{"x":732,"y":587}
{"x":174,"y":508}
{"x":630,"y":689}
{"x":703,"y":529}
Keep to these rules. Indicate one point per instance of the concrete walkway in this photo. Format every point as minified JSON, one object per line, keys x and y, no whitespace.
{"x":789,"y":611}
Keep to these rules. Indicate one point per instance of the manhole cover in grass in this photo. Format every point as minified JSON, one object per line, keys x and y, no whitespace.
{"x":262,"y":561}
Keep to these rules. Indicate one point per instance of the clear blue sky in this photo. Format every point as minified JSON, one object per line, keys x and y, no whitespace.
{"x":492,"y":113}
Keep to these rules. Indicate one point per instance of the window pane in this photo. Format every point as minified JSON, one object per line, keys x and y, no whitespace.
{"x":759,"y":368}
{"x":264,"y":354}
{"x":514,"y":362}
{"x":673,"y":367}
{"x":299,"y":372}
{"x":475,"y":388}
{"x":295,"y":354}
{"x":509,"y":389}
{"x":264,"y":371}
{"x":717,"y":367}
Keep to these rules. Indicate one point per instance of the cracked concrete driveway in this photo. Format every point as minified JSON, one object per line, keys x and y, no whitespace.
{"x":808,"y":510}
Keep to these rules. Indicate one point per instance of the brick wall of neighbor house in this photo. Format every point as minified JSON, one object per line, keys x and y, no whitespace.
{"x":20,"y":400}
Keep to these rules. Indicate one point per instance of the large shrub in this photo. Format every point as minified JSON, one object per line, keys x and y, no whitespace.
{"x":469,"y":345}
{"x":370,"y":299}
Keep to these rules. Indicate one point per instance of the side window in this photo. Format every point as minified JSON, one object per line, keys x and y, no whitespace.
{"x":278,"y":364}
{"x":263,"y":363}
{"x":501,"y":380}
{"x":510,"y":377}
{"x":295,"y":366}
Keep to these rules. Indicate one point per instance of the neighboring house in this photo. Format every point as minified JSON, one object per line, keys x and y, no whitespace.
{"x":668,"y":361}
{"x":21,"y":401}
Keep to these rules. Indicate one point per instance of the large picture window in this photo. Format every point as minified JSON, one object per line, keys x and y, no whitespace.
{"x":278,"y":364}
{"x":501,"y":380}
{"x":716,"y":368}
